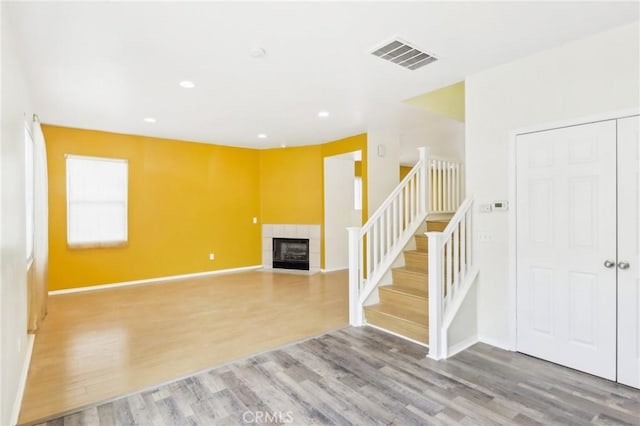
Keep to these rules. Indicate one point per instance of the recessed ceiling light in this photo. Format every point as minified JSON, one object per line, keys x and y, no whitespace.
{"x":150,"y":120}
{"x":257,"y":52}
{"x":323,"y":114}
{"x":262,"y":135}
{"x":187,"y":84}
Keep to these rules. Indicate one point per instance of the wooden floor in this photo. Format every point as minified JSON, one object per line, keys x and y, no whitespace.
{"x":98,"y":345}
{"x":362,"y":376}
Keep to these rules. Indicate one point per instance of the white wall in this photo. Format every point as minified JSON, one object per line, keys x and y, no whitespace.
{"x":382,"y":172}
{"x":339,"y":212}
{"x":443,"y":136}
{"x":464,"y":328}
{"x":13,"y":293}
{"x":595,"y":75}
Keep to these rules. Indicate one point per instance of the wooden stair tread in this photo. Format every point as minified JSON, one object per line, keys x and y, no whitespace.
{"x":406,"y":270}
{"x":436,"y":225}
{"x":420,"y":319}
{"x":408,"y":291}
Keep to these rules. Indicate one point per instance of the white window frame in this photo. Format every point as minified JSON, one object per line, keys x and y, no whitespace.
{"x":97,"y":243}
{"x":29,"y":193}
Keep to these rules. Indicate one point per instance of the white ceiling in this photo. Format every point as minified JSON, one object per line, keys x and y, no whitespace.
{"x":108,"y":65}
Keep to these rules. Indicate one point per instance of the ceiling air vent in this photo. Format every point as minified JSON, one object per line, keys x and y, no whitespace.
{"x":404,"y":54}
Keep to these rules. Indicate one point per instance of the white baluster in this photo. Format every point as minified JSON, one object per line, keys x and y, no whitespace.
{"x":376,"y":245}
{"x":469,"y":237}
{"x":361,"y":259}
{"x":463,"y":248}
{"x":381,"y":237}
{"x":449,"y":187}
{"x":405,"y":196}
{"x":440,"y":186}
{"x":458,"y":185}
{"x":394,"y":209}
{"x":456,"y":258}
{"x":369,"y":253}
{"x":390,"y":229}
{"x":432,"y":186}
{"x":423,"y":179}
{"x":449,"y":272}
{"x":412,"y":200}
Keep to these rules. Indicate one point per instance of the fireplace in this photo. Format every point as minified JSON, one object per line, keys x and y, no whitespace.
{"x":291,"y":253}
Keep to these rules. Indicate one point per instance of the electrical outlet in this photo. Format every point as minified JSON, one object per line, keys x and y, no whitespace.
{"x":212,"y":256}
{"x":486,"y":237}
{"x":255,"y":220}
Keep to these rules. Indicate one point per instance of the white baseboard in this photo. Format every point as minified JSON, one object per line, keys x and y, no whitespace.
{"x":461,"y":346}
{"x":495,"y":342}
{"x":154,"y":280}
{"x":325,"y":271}
{"x":17,"y":404}
{"x":397,"y":335}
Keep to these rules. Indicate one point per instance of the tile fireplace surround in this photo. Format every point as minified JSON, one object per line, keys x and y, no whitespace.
{"x":271,"y":231}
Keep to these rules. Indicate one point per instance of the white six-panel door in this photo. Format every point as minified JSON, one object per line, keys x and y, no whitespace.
{"x":628,"y":252}
{"x":566,"y":231}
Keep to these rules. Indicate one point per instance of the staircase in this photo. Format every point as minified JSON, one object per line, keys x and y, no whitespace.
{"x":429,"y":291}
{"x":403,"y":304}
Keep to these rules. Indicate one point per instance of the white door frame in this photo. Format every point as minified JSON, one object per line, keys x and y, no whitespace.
{"x":512,"y":238}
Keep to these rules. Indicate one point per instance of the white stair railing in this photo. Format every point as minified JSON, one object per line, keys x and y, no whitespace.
{"x":451,"y":274}
{"x":374,"y":247}
{"x":447,"y":191}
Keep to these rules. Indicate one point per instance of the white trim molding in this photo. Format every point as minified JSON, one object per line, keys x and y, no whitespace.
{"x":326,"y":271}
{"x":17,"y":404}
{"x":155,"y":280}
{"x":495,"y":342}
{"x":461,"y":346}
{"x":397,"y":335}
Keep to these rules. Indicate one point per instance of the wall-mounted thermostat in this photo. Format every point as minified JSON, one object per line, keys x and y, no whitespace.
{"x":500,"y":205}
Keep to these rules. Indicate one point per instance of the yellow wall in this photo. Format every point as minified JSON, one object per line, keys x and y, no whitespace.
{"x":291,"y":185}
{"x":292,"y":182}
{"x":447,"y":101}
{"x":185,"y":201}
{"x":404,"y":171}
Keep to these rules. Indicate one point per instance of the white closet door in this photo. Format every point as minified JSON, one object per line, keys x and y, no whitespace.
{"x":566,"y":224}
{"x":628,"y":252}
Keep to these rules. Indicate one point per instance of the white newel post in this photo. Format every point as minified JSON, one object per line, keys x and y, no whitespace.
{"x":355,"y":308}
{"x":436,"y":351}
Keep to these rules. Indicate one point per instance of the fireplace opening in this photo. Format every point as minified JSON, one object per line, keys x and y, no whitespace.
{"x":291,"y":253}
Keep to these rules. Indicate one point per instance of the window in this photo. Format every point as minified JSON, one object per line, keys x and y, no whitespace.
{"x":357,"y":193}
{"x":96,"y":201}
{"x":28,"y":191}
